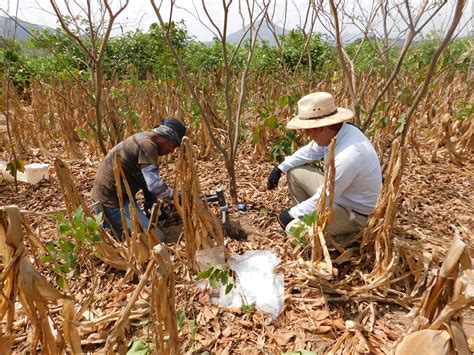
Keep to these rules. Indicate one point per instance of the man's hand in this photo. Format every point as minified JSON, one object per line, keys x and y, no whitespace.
{"x":284,"y":218}
{"x":274,"y":177}
{"x":165,"y":211}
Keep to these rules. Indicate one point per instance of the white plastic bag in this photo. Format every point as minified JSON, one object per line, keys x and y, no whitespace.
{"x":256,"y":283}
{"x":213,"y":257}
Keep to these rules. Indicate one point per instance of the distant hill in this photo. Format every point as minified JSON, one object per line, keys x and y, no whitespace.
{"x":264,"y":33}
{"x":7,"y":28}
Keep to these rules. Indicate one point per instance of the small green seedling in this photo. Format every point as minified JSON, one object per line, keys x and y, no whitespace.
{"x":216,"y":275}
{"x":180,"y":317}
{"x":63,"y":252}
{"x":299,"y":232}
{"x":247,"y":308}
{"x":140,"y":347}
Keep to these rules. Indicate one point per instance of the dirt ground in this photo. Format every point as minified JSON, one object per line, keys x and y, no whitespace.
{"x":436,"y":199}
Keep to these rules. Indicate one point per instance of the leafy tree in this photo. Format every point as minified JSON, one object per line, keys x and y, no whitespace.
{"x":321,"y":53}
{"x":12,"y":58}
{"x":365,"y":56}
{"x":457,"y":54}
{"x":140,"y":52}
{"x":265,"y":58}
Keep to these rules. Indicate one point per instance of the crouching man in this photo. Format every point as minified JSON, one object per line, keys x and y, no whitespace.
{"x":139,"y":160}
{"x":358,"y":175}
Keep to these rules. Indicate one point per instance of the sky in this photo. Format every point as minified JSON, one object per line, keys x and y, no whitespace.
{"x":140,"y":14}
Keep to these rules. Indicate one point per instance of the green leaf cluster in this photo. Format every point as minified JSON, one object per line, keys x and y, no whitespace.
{"x":247,"y":308}
{"x":140,"y":347}
{"x":84,"y":229}
{"x":299,"y":232}
{"x":74,"y":232}
{"x":217,"y":276}
{"x":15,"y":165}
{"x":464,"y":110}
{"x":318,"y":53}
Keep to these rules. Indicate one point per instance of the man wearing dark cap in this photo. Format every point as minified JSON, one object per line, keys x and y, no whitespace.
{"x":138,"y":157}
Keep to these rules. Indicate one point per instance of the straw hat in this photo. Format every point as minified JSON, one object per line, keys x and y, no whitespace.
{"x":318,"y":110}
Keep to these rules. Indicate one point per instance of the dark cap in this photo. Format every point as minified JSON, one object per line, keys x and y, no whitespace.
{"x":172,"y":129}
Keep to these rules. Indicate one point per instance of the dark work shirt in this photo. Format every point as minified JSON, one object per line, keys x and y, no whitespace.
{"x":136,"y":151}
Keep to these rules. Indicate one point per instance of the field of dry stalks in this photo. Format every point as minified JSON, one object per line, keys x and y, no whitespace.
{"x":368,"y":307}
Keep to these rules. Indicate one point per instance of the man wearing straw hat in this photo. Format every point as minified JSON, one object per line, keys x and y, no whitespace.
{"x":358,"y":175}
{"x":138,"y":157}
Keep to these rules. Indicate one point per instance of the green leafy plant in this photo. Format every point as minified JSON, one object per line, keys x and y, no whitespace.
{"x":63,"y":252}
{"x":265,"y":212}
{"x":193,"y":330}
{"x":140,"y":347}
{"x":247,"y":308}
{"x":463,"y":110}
{"x":82,"y":228}
{"x":216,"y":275}
{"x":283,"y":146}
{"x":301,"y":352}
{"x":180,"y":317}
{"x":14,"y":166}
{"x":299,"y":232}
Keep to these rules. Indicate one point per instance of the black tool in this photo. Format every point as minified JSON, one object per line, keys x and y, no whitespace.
{"x":224,"y":207}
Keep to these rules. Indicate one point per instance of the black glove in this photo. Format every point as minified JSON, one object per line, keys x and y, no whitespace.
{"x":274,"y":177}
{"x":165,"y":211}
{"x":284,"y":218}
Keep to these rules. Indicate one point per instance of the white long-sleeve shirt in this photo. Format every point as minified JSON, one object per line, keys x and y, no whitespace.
{"x":358,"y":173}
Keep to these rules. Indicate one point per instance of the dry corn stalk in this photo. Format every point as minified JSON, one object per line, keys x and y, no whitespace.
{"x":457,"y":253}
{"x":22,"y":281}
{"x":202,"y":229}
{"x":108,"y":250}
{"x":355,"y":339}
{"x":441,"y":308}
{"x":71,"y":333}
{"x":325,"y":212}
{"x":376,"y":236}
{"x":139,"y":242}
{"x":261,"y":146}
{"x":466,"y":143}
{"x":444,"y":134}
{"x":117,"y":332}
{"x":162,"y":303}
{"x":433,"y":342}
{"x":207,"y":148}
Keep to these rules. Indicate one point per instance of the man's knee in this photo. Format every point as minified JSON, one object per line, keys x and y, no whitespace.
{"x":294,"y":175}
{"x":345,"y":221}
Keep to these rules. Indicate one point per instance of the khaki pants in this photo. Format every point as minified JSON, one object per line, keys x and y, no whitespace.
{"x":304,"y":181}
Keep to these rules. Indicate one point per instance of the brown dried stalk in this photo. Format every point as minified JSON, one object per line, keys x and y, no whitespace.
{"x":139,"y":242}
{"x":162,"y":303}
{"x":117,"y":332}
{"x":202,"y":230}
{"x":325,"y":211}
{"x":443,"y":304}
{"x":450,"y":266}
{"x":21,"y":281}
{"x":109,"y":251}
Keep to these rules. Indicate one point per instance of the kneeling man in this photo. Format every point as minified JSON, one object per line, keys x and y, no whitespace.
{"x":358,"y":174}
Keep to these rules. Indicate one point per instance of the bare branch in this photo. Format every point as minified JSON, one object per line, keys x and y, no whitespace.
{"x":66,"y":29}
{"x":187,"y":82}
{"x":421,"y":91}
{"x":349,"y":75}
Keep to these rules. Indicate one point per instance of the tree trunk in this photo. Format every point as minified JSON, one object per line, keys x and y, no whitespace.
{"x":97,"y":107}
{"x":230,"y":165}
